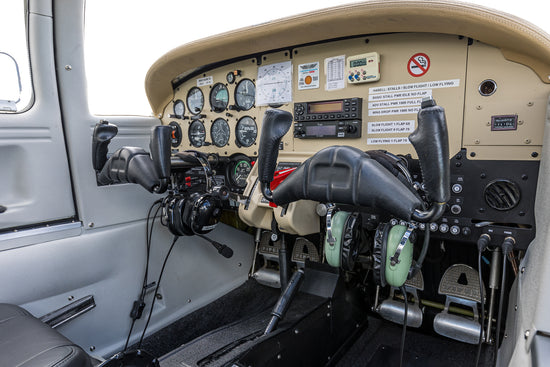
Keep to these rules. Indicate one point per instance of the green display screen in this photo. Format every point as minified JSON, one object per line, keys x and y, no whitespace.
{"x":357,"y":63}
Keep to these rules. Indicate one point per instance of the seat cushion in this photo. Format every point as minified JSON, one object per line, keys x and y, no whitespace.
{"x":27,"y":342}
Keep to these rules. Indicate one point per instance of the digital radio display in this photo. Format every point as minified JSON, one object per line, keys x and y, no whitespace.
{"x":325,"y":107}
{"x":321,"y":130}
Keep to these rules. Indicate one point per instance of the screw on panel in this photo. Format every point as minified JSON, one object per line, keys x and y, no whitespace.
{"x":68,"y":67}
{"x":530,"y":104}
{"x":520,"y":122}
{"x":523,"y":270}
{"x":91,"y":224}
{"x":527,"y":333}
{"x":527,"y":141}
{"x":476,"y":141}
{"x":479,"y":107}
{"x":92,"y":348}
{"x":70,"y":298}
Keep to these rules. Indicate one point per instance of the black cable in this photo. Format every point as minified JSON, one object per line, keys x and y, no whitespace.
{"x":148,"y":236}
{"x":482,"y":320}
{"x":156,"y":290}
{"x":507,"y":246}
{"x":404,"y":332}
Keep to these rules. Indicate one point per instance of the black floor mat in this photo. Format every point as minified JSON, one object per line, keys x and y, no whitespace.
{"x":220,"y":346}
{"x":248,"y":299}
{"x":379,"y":346}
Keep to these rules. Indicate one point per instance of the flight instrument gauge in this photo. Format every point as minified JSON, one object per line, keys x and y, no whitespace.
{"x":239,"y":172}
{"x":196,"y":134}
{"x":195,"y":100}
{"x":219,"y":132}
{"x":245,"y":94}
{"x":246,"y":131}
{"x":179,"y":108}
{"x":219,"y":97}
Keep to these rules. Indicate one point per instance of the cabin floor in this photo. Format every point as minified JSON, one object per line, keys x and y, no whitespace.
{"x":215,"y":334}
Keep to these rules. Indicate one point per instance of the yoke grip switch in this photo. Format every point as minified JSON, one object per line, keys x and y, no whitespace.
{"x":275,"y":125}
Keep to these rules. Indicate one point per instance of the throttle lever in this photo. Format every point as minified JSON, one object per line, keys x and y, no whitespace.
{"x":275,"y":125}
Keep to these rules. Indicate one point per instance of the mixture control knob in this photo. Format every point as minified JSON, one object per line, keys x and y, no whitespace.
{"x":454,"y":230}
{"x":444,"y":228}
{"x":457,"y":188}
{"x":456,"y":209}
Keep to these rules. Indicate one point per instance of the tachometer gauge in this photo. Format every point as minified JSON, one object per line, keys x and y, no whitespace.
{"x":219,"y":97}
{"x":219,"y":132}
{"x":245,"y":94}
{"x":240,"y":172}
{"x":246,"y":131}
{"x":179,"y":108}
{"x":197,"y":133}
{"x":195,"y":100}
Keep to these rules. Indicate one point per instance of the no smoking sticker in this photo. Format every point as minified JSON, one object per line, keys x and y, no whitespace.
{"x":418,"y":65}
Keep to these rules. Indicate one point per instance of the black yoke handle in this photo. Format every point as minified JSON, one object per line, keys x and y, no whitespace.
{"x":431,"y":142}
{"x":275,"y":125}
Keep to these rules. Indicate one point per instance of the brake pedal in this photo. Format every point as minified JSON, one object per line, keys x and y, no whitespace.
{"x":393,"y":309}
{"x":460,"y":285}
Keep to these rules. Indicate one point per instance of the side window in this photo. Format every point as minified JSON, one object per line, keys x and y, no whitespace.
{"x":15,"y":75}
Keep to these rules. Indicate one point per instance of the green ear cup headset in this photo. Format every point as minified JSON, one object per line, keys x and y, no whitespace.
{"x":342,"y":239}
{"x":392,"y":254}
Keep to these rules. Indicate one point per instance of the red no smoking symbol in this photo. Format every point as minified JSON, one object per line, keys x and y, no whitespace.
{"x":418,"y":64}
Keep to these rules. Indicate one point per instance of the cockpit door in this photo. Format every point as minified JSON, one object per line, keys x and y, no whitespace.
{"x":35,"y":182}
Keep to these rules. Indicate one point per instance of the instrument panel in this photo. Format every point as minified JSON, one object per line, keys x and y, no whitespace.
{"x":365,"y":92}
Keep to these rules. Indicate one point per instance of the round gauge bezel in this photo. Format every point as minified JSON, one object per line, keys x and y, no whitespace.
{"x":220,"y":120}
{"x":191,"y":111}
{"x":179,"y":102}
{"x":234,"y":181}
{"x":215,"y":91}
{"x":235,"y":160}
{"x":196,"y":122}
{"x":243,"y":108}
{"x":230,"y":77}
{"x":237,"y":135}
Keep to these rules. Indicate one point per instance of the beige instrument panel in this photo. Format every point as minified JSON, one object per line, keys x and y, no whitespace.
{"x":456,"y":68}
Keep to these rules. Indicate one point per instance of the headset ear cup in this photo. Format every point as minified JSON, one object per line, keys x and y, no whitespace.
{"x":351,"y":239}
{"x":396,"y":275}
{"x":379,"y":254}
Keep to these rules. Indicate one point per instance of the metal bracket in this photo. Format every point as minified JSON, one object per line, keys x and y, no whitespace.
{"x":395,"y":258}
{"x":330,"y":212}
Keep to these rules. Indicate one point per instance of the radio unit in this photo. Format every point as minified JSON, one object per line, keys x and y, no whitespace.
{"x":340,"y":118}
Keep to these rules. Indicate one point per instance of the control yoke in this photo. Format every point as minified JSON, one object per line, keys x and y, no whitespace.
{"x":346,"y":175}
{"x":132,"y":164}
{"x":275,"y":125}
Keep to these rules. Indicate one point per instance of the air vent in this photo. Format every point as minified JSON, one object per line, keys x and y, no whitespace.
{"x":502,"y":195}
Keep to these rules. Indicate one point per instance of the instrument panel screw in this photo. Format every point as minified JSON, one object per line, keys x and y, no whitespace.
{"x":527,"y":141}
{"x":477,"y":141}
{"x":68,"y":67}
{"x":527,"y":333}
{"x":523,"y":270}
{"x":91,"y":224}
{"x":189,"y":300}
{"x":520,"y":122}
{"x":515,"y":307}
{"x":296,"y":331}
{"x":92,"y":348}
{"x":478,"y":107}
{"x":70,"y":298}
{"x":530,"y":104}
